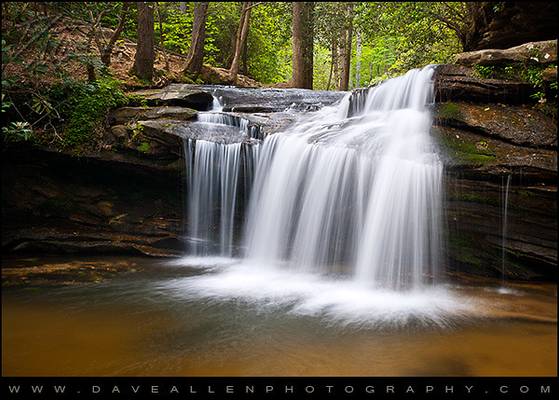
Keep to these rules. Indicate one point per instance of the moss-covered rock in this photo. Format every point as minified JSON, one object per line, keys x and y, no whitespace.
{"x":519,"y":125}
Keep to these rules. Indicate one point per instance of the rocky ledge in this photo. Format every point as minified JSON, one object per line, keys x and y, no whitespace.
{"x":127,"y":196}
{"x":500,"y":149}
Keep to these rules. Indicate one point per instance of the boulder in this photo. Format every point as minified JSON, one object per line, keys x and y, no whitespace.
{"x":181,"y":95}
{"x":516,"y":124}
{"x":544,"y":52}
{"x":124,"y":115}
{"x":500,"y":25}
{"x":459,"y":83}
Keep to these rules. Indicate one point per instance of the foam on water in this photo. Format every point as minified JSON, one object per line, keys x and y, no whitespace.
{"x":203,"y":262}
{"x":335,"y":300}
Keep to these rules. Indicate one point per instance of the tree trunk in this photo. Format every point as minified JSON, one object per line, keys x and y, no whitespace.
{"x":195,"y":55}
{"x":336,"y":63}
{"x":346,"y":49}
{"x":358,"y":61}
{"x":182,"y":6}
{"x":242,"y":34}
{"x":162,"y":37}
{"x":143,"y":61}
{"x":332,"y":62}
{"x":302,"y":76}
{"x":107,"y":51}
{"x":244,"y":69}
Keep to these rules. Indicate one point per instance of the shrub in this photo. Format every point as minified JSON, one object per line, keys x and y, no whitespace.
{"x":89,"y":104}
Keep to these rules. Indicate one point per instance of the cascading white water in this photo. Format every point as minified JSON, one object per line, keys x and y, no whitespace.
{"x":362,"y":190}
{"x":214,"y":171}
{"x":343,"y":220}
{"x":212,"y":194}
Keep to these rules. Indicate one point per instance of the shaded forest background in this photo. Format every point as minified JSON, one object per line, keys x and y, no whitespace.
{"x":352,"y":43}
{"x":67,"y":63}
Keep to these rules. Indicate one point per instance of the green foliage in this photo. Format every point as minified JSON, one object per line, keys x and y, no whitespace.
{"x":406,"y":35}
{"x":484,"y":71}
{"x":17,"y":132}
{"x":269,"y":44}
{"x":529,"y":72}
{"x":90,"y":104}
{"x":144,"y":147}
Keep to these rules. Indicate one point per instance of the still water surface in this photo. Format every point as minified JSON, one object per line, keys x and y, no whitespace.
{"x":173,"y":319}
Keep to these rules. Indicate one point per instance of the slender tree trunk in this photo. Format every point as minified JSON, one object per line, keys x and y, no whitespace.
{"x":346,"y":49}
{"x":242,"y":34}
{"x":195,"y":55}
{"x":302,"y":76}
{"x":107,"y":51}
{"x":332,"y":62}
{"x":336,"y":63}
{"x":162,"y":37}
{"x":182,"y":6}
{"x":358,"y":60}
{"x":244,"y":69}
{"x":143,"y":62}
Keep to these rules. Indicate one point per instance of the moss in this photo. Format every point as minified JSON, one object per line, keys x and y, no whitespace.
{"x":463,"y":250}
{"x":144,"y":147}
{"x":471,"y":153}
{"x":525,"y":193}
{"x":449,"y":111}
{"x":136,"y":100}
{"x":475,"y":198}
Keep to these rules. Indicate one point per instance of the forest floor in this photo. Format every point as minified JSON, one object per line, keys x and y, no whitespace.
{"x":70,"y":41}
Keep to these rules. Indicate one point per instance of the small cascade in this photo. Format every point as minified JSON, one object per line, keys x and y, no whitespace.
{"x":217,"y":105}
{"x":216,"y":120}
{"x":219,"y":179}
{"x":505,"y":196}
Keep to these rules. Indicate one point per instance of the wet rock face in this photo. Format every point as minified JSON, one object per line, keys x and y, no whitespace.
{"x":516,"y":124}
{"x":127,"y":197}
{"x":459,"y":83}
{"x":126,"y":115}
{"x":474,"y":229}
{"x":271,"y":100}
{"x":56,"y":204}
{"x":181,"y":95}
{"x":505,"y":24}
{"x":489,"y":130}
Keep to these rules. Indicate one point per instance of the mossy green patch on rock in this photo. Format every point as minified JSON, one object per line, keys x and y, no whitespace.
{"x":474,"y":198}
{"x":465,"y":152}
{"x":449,"y":111}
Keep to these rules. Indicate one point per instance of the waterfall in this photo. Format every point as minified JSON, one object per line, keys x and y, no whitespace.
{"x":358,"y":185}
{"x":219,"y":176}
{"x":342,"y":221}
{"x":216,"y":104}
{"x":504,"y":228}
